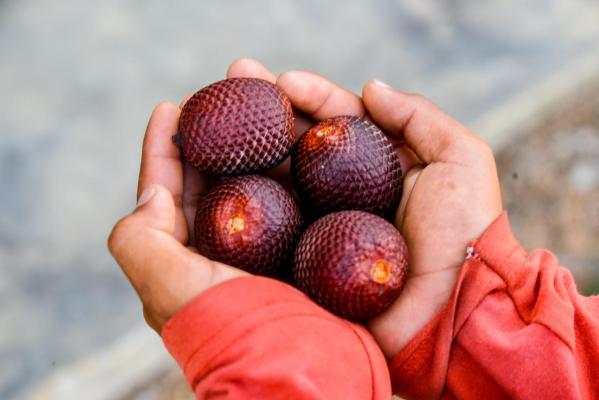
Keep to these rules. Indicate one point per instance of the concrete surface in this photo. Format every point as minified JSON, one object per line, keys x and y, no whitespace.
{"x":79,"y":79}
{"x":550,"y":182}
{"x":126,"y":366}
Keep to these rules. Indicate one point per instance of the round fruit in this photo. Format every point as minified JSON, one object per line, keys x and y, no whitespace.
{"x":236,"y":126}
{"x":249,"y":222}
{"x":352,"y":263}
{"x":346,"y":163}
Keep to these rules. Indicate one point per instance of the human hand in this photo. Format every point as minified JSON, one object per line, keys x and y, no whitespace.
{"x":450,"y":196}
{"x":150,"y":243}
{"x":450,"y":193}
{"x":153,"y":244}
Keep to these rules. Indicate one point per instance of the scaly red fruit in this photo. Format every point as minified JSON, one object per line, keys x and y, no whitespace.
{"x":236,"y":126}
{"x":352,"y":263}
{"x":346,"y":163}
{"x":249,"y":222}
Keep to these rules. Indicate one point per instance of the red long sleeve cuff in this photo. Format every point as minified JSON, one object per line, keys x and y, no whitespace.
{"x":514,"y":327}
{"x":255,"y":337}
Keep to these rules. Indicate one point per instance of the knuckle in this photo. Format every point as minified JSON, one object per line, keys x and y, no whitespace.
{"x":120,"y":233}
{"x":422,"y":101}
{"x":479,"y":149}
{"x":323,"y":100}
{"x":483,"y":148}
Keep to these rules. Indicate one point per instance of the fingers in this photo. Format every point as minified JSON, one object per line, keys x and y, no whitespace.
{"x":410,"y":179}
{"x":318,"y":97}
{"x":407,"y":157}
{"x":165,"y":274}
{"x":308,"y":92}
{"x":142,"y":243}
{"x":432,"y":134}
{"x":244,"y":68}
{"x":248,"y":68}
{"x":195,"y":186}
{"x":161,"y":161}
{"x":156,"y":263}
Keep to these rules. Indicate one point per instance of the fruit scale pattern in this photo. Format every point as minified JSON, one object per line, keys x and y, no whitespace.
{"x":352,"y":262}
{"x":250,"y":222}
{"x":347,"y":163}
{"x":236,"y":126}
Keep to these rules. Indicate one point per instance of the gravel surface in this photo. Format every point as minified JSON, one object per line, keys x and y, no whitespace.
{"x":550,"y":182}
{"x":79,"y":79}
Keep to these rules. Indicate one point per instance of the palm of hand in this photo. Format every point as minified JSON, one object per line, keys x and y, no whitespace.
{"x":164,"y":267}
{"x":438,"y":217}
{"x":450,"y":197}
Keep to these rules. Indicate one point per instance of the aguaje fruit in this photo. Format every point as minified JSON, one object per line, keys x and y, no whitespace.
{"x":352,"y":263}
{"x":249,"y":222}
{"x":346,"y":163}
{"x":236,"y":126}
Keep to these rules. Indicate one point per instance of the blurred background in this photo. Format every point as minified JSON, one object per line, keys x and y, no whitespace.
{"x":78,"y":81}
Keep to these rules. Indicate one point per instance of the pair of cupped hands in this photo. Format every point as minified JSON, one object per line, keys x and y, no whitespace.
{"x":450,"y":196}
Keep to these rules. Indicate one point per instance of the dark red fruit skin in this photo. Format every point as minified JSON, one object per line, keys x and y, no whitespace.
{"x":272,"y":224}
{"x":334,"y":260}
{"x":346,"y":163}
{"x":237,"y":126}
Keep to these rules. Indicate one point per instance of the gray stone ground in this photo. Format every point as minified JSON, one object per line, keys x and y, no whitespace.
{"x":550,"y":183}
{"x":79,"y":79}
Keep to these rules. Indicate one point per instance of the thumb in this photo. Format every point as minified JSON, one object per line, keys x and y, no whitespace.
{"x":433,"y":135}
{"x":143,"y":244}
{"x":156,"y":209}
{"x":164,"y":273}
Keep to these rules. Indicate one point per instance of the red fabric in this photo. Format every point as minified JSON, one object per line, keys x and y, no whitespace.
{"x":515,"y":327}
{"x":256,"y":338}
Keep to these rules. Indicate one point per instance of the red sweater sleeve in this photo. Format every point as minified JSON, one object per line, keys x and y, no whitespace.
{"x":257,"y":338}
{"x":515,"y":327}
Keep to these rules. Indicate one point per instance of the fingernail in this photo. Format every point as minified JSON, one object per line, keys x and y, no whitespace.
{"x":146,"y":195}
{"x":381,"y":84}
